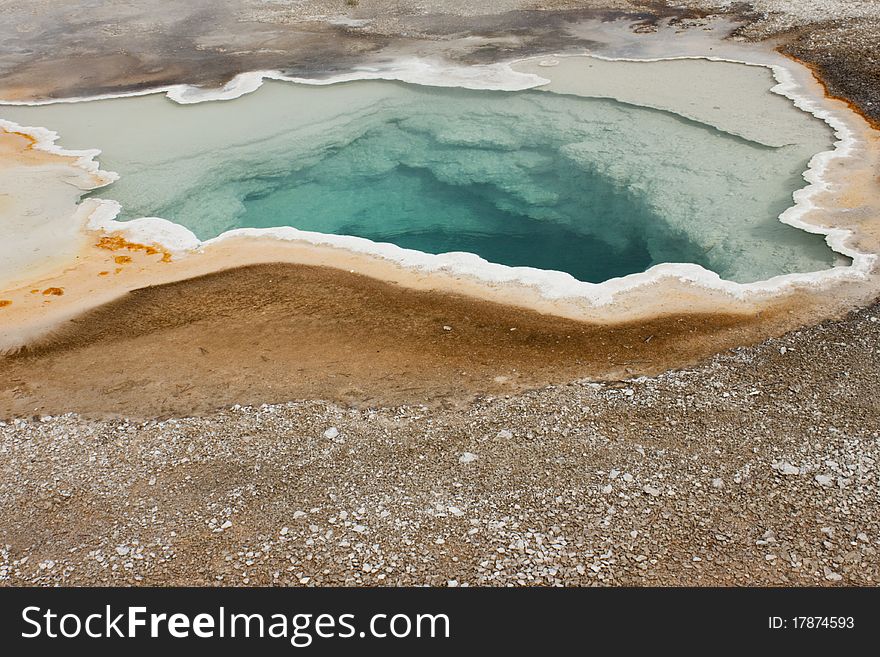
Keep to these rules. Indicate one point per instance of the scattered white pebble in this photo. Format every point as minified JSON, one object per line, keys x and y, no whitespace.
{"x":786,"y":468}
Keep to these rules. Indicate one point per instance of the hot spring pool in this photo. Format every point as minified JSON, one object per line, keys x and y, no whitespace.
{"x":593,"y":187}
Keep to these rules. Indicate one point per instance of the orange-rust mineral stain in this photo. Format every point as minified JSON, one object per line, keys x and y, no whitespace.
{"x":35,"y":291}
{"x":122,"y":260}
{"x":103,"y":273}
{"x":53,"y":291}
{"x":117,"y":242}
{"x":5,"y":302}
{"x":30,"y":138}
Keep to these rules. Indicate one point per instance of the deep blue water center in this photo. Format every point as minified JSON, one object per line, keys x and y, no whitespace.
{"x":411,"y":207}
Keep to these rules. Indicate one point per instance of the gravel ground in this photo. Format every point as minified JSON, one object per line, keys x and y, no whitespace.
{"x":758,"y":467}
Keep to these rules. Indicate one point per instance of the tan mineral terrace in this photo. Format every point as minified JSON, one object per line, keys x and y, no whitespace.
{"x":63,"y":258}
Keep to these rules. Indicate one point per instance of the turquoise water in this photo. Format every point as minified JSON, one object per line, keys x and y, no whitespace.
{"x":593,"y":187}
{"x":531,"y":219}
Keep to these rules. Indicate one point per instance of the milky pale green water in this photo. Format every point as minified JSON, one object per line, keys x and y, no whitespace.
{"x":593,"y":187}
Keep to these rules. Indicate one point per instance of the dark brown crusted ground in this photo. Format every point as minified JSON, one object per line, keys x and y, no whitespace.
{"x":271,"y":333}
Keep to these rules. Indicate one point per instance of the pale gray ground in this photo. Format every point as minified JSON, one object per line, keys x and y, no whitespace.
{"x":760,"y":467}
{"x":62,"y":48}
